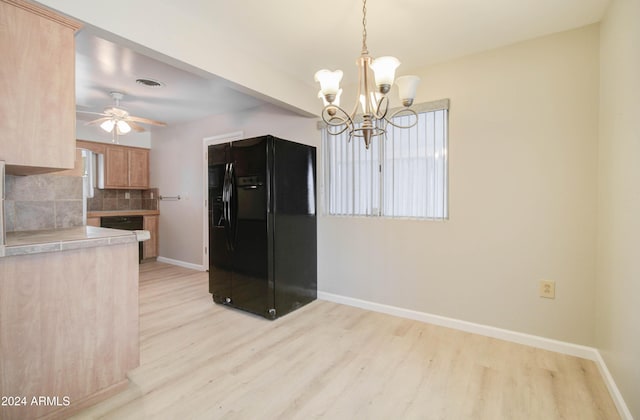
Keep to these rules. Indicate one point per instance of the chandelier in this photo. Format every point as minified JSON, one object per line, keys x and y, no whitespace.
{"x":375,"y":78}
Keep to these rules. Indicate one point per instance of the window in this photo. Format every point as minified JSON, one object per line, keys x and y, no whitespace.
{"x":404,"y":175}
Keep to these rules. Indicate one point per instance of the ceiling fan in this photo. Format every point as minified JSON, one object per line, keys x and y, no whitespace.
{"x":116,"y":120}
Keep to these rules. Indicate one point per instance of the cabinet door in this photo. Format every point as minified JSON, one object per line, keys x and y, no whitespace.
{"x":117,"y":167}
{"x":150,"y":247}
{"x":37,"y":89}
{"x":138,"y":168}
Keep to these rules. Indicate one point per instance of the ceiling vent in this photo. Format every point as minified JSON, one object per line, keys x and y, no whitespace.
{"x":149,"y":83}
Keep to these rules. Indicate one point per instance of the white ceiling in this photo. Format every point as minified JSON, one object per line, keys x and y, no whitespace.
{"x":103,"y":66}
{"x":300,"y":37}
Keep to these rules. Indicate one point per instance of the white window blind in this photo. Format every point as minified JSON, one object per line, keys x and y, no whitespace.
{"x":404,"y":175}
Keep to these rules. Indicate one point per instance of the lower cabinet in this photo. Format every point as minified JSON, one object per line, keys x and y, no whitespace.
{"x":150,"y":247}
{"x":93,"y":221}
{"x":69,"y":328}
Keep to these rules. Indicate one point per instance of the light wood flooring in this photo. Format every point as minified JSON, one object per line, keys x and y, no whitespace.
{"x":200,"y":360}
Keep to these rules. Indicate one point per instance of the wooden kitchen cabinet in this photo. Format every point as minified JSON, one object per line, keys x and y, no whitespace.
{"x":126,"y":167}
{"x":92,"y":145}
{"x":93,"y":221}
{"x":37,"y":128}
{"x":116,"y":162}
{"x":69,"y":327}
{"x":150,"y":247}
{"x":138,"y":168}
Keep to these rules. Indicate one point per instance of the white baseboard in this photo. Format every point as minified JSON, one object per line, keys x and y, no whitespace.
{"x":181,"y":263}
{"x":623,"y":410}
{"x":557,"y":346}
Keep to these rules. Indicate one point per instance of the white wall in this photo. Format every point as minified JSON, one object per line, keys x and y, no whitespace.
{"x":523,"y":140}
{"x":176,"y":166}
{"x":618,"y":280}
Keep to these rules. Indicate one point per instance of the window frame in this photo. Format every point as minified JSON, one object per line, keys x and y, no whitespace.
{"x":349,"y":210}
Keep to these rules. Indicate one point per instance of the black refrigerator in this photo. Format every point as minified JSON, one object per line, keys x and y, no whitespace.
{"x":262,"y":225}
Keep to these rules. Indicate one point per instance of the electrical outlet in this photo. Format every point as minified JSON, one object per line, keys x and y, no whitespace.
{"x":548,"y":289}
{"x":127,"y":195}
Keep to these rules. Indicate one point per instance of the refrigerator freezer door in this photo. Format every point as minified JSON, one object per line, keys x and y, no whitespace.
{"x":220,"y":266}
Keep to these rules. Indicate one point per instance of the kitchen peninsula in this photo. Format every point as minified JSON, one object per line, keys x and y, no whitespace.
{"x":68,"y":318}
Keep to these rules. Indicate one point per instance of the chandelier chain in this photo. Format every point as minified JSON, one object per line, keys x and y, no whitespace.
{"x":364,"y":27}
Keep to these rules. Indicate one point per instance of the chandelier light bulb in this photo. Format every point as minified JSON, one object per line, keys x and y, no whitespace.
{"x":384,"y":70}
{"x":329,"y":83}
{"x":335,"y":102}
{"x":407,"y":87}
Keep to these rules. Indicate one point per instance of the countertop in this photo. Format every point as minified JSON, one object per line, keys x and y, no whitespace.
{"x":123,"y":213}
{"x":55,"y":240}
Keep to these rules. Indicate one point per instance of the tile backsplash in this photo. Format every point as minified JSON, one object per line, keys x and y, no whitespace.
{"x":38,"y":202}
{"x":42,"y":202}
{"x":104,"y":200}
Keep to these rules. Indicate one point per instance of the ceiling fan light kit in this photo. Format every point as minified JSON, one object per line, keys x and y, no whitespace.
{"x":375,"y":78}
{"x":117,"y":121}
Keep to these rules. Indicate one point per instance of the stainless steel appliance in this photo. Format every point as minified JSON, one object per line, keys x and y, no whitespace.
{"x":262,"y":225}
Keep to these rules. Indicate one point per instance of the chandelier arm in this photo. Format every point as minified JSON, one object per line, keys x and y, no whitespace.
{"x":338,"y":132}
{"x":381,"y":112}
{"x":408,"y":111}
{"x":334,"y":116}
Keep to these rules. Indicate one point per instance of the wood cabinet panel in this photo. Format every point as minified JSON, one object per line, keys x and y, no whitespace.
{"x":78,"y":167}
{"x":126,"y":167}
{"x":138,"y":168}
{"x":69,"y":325}
{"x":37,"y":90}
{"x":150,"y":247}
{"x":116,"y":160}
{"x":93,"y":221}
{"x":92,"y":145}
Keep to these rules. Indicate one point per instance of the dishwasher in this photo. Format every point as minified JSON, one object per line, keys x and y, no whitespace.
{"x":124,"y":223}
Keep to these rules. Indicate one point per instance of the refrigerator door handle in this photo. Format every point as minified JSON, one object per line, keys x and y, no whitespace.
{"x":232,"y":209}
{"x":226,"y":204}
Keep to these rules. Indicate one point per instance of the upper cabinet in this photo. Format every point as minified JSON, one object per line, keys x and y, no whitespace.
{"x":116,"y":171}
{"x":37,"y":87}
{"x":138,"y":168}
{"x":125,"y":167}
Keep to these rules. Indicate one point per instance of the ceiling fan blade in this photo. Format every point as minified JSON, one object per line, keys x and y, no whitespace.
{"x":98,"y":121}
{"x":91,"y":113}
{"x":146,"y":121}
{"x":137,"y":128}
